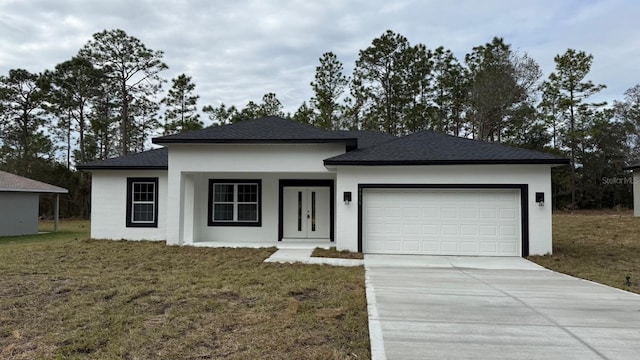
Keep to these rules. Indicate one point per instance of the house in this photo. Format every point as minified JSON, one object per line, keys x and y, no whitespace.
{"x":19,"y":201}
{"x":272,"y":181}
{"x":635,"y":168}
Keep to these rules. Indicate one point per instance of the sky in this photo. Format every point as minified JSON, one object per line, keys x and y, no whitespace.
{"x":238,"y":50}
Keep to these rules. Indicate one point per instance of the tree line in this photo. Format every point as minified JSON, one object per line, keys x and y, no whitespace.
{"x":108,"y":100}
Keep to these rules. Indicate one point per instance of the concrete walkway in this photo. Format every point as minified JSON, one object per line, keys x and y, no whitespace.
{"x":304,"y":256}
{"x":423,"y":307}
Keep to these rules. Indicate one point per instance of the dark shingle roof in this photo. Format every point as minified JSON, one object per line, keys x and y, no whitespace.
{"x":431,"y":148}
{"x":14,"y":183}
{"x":374,"y":148}
{"x":271,"y":129}
{"x":157,"y":159}
{"x":367,"y":138}
{"x":633,"y":166}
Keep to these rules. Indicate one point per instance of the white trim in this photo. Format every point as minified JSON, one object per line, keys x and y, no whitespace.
{"x":135,"y":202}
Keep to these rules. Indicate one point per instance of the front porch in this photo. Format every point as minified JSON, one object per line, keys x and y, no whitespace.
{"x":283,"y":210}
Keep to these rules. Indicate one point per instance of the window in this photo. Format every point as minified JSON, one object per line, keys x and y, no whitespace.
{"x":234,"y":202}
{"x":142,"y":202}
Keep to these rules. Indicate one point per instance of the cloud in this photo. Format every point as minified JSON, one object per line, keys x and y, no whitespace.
{"x":237,"y":51}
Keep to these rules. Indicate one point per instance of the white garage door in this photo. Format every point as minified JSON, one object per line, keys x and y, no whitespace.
{"x":442,"y":221}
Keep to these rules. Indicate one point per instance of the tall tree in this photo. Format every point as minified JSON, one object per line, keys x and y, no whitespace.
{"x":222,"y":114}
{"x":22,"y":123}
{"x":181,"y":113}
{"x":628,"y":111}
{"x":380,"y":83}
{"x":328,"y":87}
{"x":603,"y":154}
{"x":104,"y":119}
{"x":304,"y":114}
{"x":131,"y":66}
{"x":573,"y":91}
{"x":72,"y":88}
{"x":270,"y":106}
{"x":450,"y":92}
{"x":499,"y":81}
{"x":145,"y":122}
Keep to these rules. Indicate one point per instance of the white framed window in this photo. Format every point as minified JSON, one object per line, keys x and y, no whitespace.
{"x":234,"y":202}
{"x":142,"y":202}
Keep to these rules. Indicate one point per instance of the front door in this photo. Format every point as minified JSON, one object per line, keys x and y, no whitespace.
{"x":306,"y":212}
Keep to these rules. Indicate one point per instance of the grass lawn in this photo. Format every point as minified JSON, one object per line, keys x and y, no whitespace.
{"x":333,"y":253}
{"x":63,"y":296}
{"x":596,"y":245}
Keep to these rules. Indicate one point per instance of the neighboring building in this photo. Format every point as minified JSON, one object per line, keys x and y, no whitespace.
{"x":635,"y":168}
{"x":19,"y":201}
{"x":273,"y":181}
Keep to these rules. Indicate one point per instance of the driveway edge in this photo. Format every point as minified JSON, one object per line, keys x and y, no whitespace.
{"x":375,"y":330}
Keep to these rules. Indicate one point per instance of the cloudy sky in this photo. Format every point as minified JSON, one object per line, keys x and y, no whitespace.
{"x":238,"y":50}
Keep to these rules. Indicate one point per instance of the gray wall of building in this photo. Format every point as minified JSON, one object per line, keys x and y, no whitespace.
{"x":18,"y":213}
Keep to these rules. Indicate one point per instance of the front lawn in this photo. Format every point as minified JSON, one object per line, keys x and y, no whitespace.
{"x":595,"y":245}
{"x":63,"y":296}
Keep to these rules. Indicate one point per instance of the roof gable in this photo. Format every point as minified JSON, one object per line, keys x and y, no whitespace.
{"x":271,"y":129}
{"x":14,"y":183}
{"x":432,"y":148}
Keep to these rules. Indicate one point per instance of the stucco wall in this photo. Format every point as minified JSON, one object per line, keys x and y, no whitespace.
{"x":192,"y":165}
{"x":109,"y":202}
{"x":18,"y":213}
{"x":538,"y":177}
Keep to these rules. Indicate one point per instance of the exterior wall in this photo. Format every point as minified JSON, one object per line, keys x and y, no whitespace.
{"x":18,"y":213}
{"x":192,"y":165}
{"x":109,"y":204}
{"x":538,"y":177}
{"x":636,"y":192}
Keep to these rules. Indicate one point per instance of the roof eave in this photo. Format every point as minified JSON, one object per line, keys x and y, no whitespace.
{"x":102,"y":167}
{"x":447,"y":162}
{"x":39,"y":191}
{"x":348,"y":141}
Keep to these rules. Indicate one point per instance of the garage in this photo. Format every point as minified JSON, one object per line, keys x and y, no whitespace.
{"x":442,"y":221}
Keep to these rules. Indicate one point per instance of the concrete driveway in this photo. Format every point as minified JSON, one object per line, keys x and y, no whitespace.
{"x":424,"y":307}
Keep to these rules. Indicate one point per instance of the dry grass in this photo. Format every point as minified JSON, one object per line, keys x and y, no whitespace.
{"x":333,"y":253}
{"x":63,"y":296}
{"x":603,"y":246}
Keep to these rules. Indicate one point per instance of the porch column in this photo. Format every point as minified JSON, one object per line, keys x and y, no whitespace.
{"x":56,"y":212}
{"x":174,"y":226}
{"x":187,"y":208}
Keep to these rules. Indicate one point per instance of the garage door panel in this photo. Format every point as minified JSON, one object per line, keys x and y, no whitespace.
{"x":442,"y":222}
{"x":430,"y":212}
{"x":488,"y":230}
{"x":509,"y":213}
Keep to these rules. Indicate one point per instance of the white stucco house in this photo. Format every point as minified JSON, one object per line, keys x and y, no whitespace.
{"x":635,"y":169}
{"x":272,"y":181}
{"x":19,"y":201}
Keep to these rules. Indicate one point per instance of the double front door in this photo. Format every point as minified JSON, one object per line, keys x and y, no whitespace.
{"x":306,"y":212}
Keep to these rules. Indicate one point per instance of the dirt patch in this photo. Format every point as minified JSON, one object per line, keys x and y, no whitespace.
{"x":333,"y":253}
{"x":306,"y":294}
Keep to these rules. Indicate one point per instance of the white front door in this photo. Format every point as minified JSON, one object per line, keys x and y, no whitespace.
{"x":306,"y":212}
